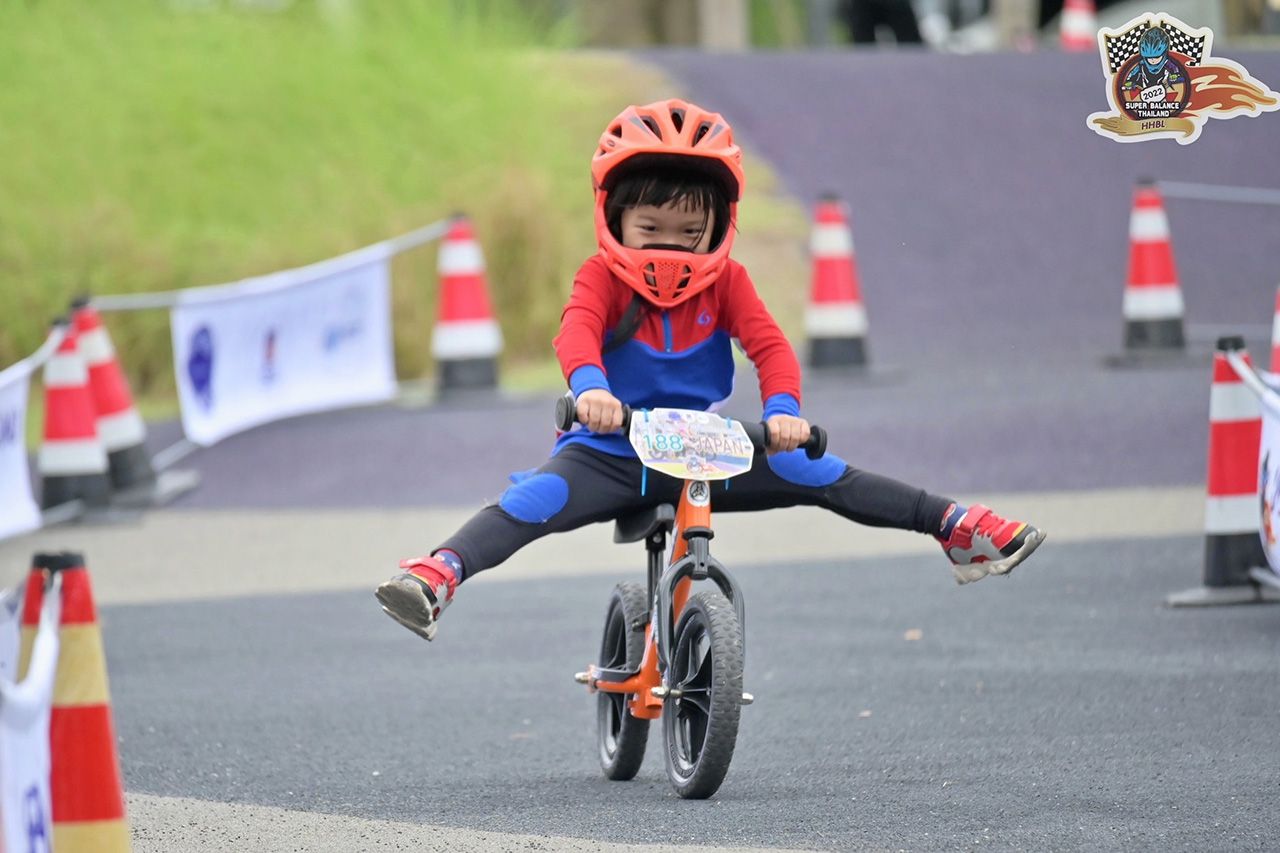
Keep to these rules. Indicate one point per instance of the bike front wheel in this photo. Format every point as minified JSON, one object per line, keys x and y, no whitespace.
{"x":700,"y":715}
{"x":620,"y":737}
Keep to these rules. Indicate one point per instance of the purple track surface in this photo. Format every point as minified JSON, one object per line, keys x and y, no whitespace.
{"x":991,"y":233}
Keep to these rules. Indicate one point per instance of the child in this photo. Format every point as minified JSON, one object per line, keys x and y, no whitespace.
{"x":649,"y":324}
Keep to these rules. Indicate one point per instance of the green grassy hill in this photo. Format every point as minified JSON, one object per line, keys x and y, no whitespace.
{"x":150,"y":146}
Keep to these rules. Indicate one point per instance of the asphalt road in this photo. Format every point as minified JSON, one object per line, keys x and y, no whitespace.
{"x":1059,"y":709}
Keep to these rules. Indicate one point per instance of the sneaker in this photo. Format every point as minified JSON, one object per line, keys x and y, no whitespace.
{"x":416,"y":597}
{"x":982,"y":543}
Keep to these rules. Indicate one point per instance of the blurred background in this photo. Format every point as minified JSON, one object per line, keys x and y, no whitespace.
{"x":148,"y":146}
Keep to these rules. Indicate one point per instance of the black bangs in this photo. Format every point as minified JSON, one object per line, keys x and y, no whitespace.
{"x":669,"y":186}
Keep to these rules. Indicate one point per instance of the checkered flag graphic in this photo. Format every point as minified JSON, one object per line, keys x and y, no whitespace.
{"x":1125,"y":45}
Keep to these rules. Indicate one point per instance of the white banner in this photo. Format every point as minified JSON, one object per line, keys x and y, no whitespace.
{"x":19,"y":513}
{"x":1269,"y":469}
{"x":286,"y":344}
{"x":25,"y":767}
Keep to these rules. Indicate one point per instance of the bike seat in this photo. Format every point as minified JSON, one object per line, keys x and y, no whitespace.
{"x":641,"y":525}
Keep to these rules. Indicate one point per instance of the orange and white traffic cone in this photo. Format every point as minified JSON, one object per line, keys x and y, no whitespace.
{"x":1153,"y":307}
{"x":466,"y":341}
{"x":1079,"y":26}
{"x":85,"y":783}
{"x":119,"y":425}
{"x":835,"y":320}
{"x":1275,"y":336}
{"x":72,"y":461}
{"x":1232,"y":543}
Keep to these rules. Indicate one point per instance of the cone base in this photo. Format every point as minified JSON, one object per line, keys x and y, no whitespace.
{"x":158,"y":491}
{"x":1154,"y":334}
{"x":93,"y":489}
{"x":837,"y":352}
{"x":1229,"y":557}
{"x":468,"y":374}
{"x":1223,"y":596}
{"x":130,"y":467}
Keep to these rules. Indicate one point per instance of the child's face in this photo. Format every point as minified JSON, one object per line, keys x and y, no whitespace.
{"x":673,"y":225}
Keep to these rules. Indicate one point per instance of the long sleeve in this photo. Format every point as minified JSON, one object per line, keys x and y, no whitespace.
{"x":582,"y":327}
{"x":748,"y":319}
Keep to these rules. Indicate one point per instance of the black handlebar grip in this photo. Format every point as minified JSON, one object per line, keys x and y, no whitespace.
{"x":567,"y":413}
{"x":816,"y":446}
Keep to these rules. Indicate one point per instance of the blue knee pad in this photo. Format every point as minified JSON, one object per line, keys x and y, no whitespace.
{"x":796,"y":468}
{"x":535,"y":498}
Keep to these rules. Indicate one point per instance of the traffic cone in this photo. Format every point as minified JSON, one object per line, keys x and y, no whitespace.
{"x":835,"y":320}
{"x":85,"y":785}
{"x":1079,"y":26}
{"x":1232,"y":542}
{"x":1153,"y":306}
{"x":466,"y":341}
{"x":72,"y":461}
{"x":119,"y":425}
{"x":1275,"y":336}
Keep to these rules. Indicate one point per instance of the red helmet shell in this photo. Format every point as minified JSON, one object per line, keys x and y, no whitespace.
{"x":641,"y":135}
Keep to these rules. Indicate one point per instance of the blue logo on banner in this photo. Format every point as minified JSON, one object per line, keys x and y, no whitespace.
{"x":200,"y":366}
{"x":9,"y":428}
{"x":335,"y":336}
{"x":37,"y":829}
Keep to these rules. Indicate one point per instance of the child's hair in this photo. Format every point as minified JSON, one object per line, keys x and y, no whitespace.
{"x":663,"y":184}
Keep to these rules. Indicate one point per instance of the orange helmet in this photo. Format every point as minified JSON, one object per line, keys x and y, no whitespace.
{"x":658,"y":134}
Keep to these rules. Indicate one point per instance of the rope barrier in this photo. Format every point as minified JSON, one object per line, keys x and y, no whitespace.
{"x":278,"y":280}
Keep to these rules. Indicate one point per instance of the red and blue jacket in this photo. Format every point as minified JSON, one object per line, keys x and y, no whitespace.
{"x":678,"y":358}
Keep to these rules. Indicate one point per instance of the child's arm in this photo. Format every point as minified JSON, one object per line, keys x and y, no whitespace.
{"x":582,"y":327}
{"x":748,"y":319}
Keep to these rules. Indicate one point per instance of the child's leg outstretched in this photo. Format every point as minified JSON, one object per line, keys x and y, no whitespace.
{"x":976,"y":540}
{"x":577,"y":486}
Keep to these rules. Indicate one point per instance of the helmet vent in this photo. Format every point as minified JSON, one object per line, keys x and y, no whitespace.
{"x":667,"y":279}
{"x":652,"y":125}
{"x":701,"y":132}
{"x":677,"y":119}
{"x":616,"y":130}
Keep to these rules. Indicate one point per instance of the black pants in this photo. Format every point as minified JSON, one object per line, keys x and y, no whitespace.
{"x":579,"y":486}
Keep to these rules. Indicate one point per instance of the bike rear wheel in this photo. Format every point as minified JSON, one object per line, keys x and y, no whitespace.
{"x":620,"y":737}
{"x":700,"y":716}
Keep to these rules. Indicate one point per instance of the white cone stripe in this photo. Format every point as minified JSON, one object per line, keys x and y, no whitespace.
{"x":835,"y":321}
{"x":65,"y":370}
{"x":1163,"y":302}
{"x":469,"y":339}
{"x":1148,"y":225}
{"x":121,"y":430}
{"x":1234,"y":514}
{"x":95,"y":347}
{"x":831,"y":241}
{"x":66,"y":458}
{"x":1275,"y":330}
{"x":460,"y":257}
{"x":1079,"y":21}
{"x":1230,"y":402}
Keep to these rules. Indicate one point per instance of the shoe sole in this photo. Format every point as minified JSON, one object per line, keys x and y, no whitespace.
{"x":405,"y":602}
{"x":977,"y":571}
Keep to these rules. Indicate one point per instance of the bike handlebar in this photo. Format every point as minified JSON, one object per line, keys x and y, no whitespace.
{"x":814,"y":448}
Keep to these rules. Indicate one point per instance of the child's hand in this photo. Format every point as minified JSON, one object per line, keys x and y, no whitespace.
{"x":600,"y":411}
{"x":786,"y":433}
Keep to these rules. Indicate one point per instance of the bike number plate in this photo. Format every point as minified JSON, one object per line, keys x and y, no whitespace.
{"x":691,"y":445}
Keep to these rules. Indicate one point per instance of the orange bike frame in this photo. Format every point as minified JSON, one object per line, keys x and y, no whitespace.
{"x":644,"y":704}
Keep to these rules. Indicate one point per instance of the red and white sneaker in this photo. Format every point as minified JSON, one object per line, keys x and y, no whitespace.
{"x":416,"y":597}
{"x":982,"y":543}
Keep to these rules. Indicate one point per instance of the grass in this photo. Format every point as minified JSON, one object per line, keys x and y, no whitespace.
{"x":144,"y":148}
